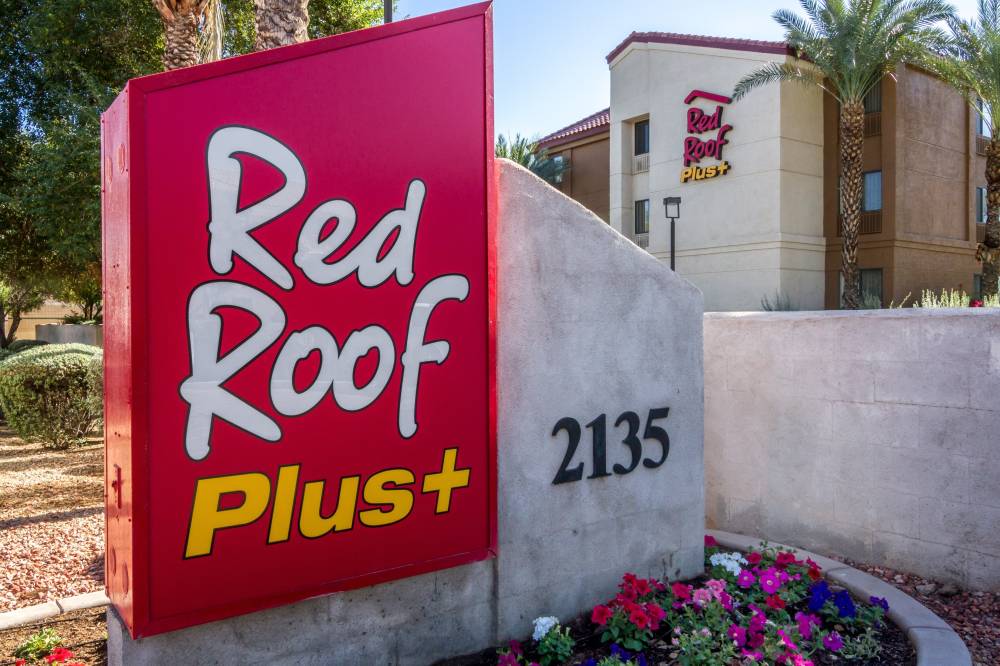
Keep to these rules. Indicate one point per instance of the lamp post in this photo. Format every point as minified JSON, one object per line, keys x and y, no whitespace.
{"x":672,"y":206}
{"x":387,"y":11}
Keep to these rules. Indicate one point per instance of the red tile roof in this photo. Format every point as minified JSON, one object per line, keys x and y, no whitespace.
{"x":595,"y":123}
{"x":731,"y":43}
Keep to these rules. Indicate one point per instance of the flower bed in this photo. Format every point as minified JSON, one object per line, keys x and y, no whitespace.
{"x":760,"y":607}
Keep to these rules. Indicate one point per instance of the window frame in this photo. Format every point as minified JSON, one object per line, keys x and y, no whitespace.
{"x":864,"y":191}
{"x":635,"y":137}
{"x":644,"y":205}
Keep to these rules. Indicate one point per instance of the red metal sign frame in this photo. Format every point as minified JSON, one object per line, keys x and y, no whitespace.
{"x":155,"y":578}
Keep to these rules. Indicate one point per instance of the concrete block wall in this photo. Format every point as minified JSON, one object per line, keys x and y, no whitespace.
{"x":582,"y":314}
{"x":872,"y":435}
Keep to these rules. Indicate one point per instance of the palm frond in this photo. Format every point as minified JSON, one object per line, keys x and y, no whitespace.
{"x":774,"y":72}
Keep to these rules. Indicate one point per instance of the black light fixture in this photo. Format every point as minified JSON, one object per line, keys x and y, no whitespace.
{"x":672,"y":207}
{"x":387,"y":11}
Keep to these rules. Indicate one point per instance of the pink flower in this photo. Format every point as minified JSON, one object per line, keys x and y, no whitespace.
{"x":726,"y":601}
{"x":507,"y":659}
{"x":758,"y":622}
{"x":702,"y":596}
{"x":717,"y":586}
{"x":786,"y":640}
{"x":601,"y":615}
{"x":769,"y":581}
{"x":515,"y":648}
{"x":738,"y":634}
{"x":799,"y":660}
{"x":805,"y":623}
{"x":746,"y":579}
{"x":710,"y":541}
{"x":833,"y":642}
{"x":755,"y":655}
{"x":754,"y":641}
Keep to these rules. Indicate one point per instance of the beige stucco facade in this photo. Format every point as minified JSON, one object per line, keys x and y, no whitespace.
{"x":744,"y":235}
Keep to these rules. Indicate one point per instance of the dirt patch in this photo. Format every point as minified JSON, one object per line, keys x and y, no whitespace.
{"x":51,"y":521}
{"x":83,"y":632}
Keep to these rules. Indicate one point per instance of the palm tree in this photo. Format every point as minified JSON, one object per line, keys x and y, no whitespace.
{"x":281,"y":22}
{"x":972,"y":66}
{"x":181,"y":19}
{"x":849,"y":46}
{"x":525,"y":152}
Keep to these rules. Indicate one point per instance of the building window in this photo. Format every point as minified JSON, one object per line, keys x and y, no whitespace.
{"x":873,"y":99}
{"x":873,"y":192}
{"x":560,"y":164}
{"x":981,"y":205}
{"x":642,"y":217}
{"x":982,"y":125}
{"x":871,"y":287}
{"x":642,"y":137}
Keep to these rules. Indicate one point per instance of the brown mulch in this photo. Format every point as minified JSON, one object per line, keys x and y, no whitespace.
{"x":51,"y":521}
{"x":83,"y":632}
{"x":975,"y":616}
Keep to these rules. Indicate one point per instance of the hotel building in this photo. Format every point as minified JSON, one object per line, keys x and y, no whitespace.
{"x":758,"y":178}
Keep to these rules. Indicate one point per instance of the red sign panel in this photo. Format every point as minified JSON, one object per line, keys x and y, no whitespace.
{"x":299,"y":330}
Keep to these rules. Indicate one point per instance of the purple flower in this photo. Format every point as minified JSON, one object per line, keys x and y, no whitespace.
{"x":805,"y":624}
{"x":879,"y":601}
{"x":786,"y":640}
{"x":738,"y":634}
{"x":845,"y":605}
{"x":819,"y":592}
{"x":833,"y":642}
{"x":770,"y":582}
{"x":746,"y":579}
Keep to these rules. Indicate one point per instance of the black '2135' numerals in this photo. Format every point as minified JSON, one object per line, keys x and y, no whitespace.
{"x":599,"y":436}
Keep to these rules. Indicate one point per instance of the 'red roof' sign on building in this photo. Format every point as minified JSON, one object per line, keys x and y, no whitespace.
{"x":299,"y":356}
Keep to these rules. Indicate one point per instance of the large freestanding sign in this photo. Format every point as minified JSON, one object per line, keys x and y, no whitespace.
{"x":299,"y":337}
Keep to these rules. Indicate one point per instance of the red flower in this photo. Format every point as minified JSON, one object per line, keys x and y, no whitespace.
{"x":814,"y":575}
{"x":681,"y":591}
{"x":601,"y":615}
{"x":710,"y":541}
{"x":515,"y":648}
{"x":655,"y":614}
{"x":753,"y":559}
{"x":21,"y":662}
{"x":775,"y":602}
{"x":784,"y":560}
{"x":628,"y":593}
{"x":638,"y":618}
{"x":975,"y":303}
{"x":642,"y":587}
{"x":59,"y":654}
{"x":629,"y":579}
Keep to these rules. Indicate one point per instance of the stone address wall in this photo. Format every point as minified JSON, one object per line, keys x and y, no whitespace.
{"x":871,"y":435}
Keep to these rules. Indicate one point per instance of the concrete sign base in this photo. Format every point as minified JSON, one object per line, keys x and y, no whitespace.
{"x":600,"y":429}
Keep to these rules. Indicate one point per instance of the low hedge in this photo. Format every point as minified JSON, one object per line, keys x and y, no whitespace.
{"x":47,"y":393}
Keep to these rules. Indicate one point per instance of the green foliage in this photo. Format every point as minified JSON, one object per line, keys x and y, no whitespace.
{"x":46,"y":394}
{"x":525,"y":152}
{"x":326,"y":17}
{"x":556,"y":646}
{"x":21,"y":345}
{"x":850,"y":46}
{"x":95,"y":383}
{"x":782,"y":302}
{"x":39,"y":645}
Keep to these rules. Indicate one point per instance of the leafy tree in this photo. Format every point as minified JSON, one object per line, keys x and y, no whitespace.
{"x":972,"y":66}
{"x":849,"y":46}
{"x":525,"y":152}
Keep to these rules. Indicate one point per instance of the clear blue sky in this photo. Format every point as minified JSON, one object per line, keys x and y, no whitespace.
{"x":550,"y":69}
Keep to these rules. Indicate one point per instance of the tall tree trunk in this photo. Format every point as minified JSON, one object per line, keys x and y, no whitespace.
{"x":988,"y":251}
{"x":281,"y":22}
{"x":180,"y":31}
{"x":852,"y":140}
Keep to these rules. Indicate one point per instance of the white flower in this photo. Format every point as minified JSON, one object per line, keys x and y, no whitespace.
{"x":543,"y":625}
{"x":729,"y":561}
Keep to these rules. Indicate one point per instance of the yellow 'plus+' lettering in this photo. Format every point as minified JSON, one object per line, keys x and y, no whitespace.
{"x":445,"y":481}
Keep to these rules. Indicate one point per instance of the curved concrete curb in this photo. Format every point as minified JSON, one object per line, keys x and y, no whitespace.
{"x":39,"y":612}
{"x":936,"y":642}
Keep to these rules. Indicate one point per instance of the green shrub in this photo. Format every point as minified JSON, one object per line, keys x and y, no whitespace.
{"x":46,"y":394}
{"x":95,"y":383}
{"x":23,"y":345}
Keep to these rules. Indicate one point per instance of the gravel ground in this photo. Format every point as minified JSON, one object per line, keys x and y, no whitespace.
{"x":83,"y":632}
{"x":975,"y":616}
{"x":51,"y":522}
